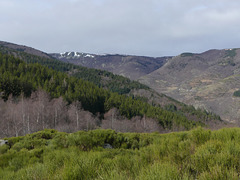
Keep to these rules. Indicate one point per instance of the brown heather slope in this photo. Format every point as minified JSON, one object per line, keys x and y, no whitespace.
{"x":132,"y":67}
{"x":205,"y":80}
{"x":22,"y":48}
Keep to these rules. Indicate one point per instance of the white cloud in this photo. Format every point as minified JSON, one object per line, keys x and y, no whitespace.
{"x":144,"y":27}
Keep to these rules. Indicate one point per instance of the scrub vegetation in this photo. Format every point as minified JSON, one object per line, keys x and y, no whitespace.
{"x":49,"y":154}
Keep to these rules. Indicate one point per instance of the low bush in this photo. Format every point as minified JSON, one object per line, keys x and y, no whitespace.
{"x":197,"y":154}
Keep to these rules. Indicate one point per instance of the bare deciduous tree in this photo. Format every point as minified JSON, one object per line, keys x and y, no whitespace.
{"x":26,"y":115}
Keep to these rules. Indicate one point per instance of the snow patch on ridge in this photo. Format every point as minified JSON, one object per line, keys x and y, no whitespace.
{"x":75,"y":55}
{"x":89,"y":55}
{"x":62,"y":54}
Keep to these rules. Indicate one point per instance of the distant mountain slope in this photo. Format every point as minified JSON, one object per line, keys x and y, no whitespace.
{"x":18,"y":78}
{"x":22,"y":48}
{"x":206,"y":80}
{"x":121,"y":85}
{"x":132,"y":67}
{"x":101,"y":78}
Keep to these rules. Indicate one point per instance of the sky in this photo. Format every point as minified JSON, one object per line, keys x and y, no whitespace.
{"x":135,"y":27}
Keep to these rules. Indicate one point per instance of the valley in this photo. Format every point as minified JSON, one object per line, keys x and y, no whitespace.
{"x":63,"y":120}
{"x":119,"y":90}
{"x":132,"y":67}
{"x":206,"y":80}
{"x":105,"y":100}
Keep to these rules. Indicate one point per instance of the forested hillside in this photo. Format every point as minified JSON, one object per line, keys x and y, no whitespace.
{"x":19,"y":78}
{"x":105,"y":154}
{"x":114,"y":83}
{"x":101,"y":78}
{"x":56,"y":89}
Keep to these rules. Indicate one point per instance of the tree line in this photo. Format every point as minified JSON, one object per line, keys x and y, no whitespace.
{"x":18,"y":77}
{"x":113,"y":83}
{"x":100,"y":78}
{"x":21,"y":116}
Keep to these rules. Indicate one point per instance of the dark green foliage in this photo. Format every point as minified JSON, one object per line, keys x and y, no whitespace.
{"x":19,"y":77}
{"x":197,"y":154}
{"x":190,"y":111}
{"x":186,"y":54}
{"x":3,"y":149}
{"x":231,"y":62}
{"x":97,"y":138}
{"x":130,"y":108}
{"x":105,"y":79}
{"x":101,"y":78}
{"x":230,"y":53}
{"x":16,"y":74}
{"x":201,"y":114}
{"x":228,"y":61}
{"x":236,"y":93}
{"x":170,"y":107}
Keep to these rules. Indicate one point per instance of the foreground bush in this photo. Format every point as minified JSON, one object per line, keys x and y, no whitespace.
{"x":48,"y":154}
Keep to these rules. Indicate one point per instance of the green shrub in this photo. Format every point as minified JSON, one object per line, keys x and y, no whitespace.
{"x":160,"y":171}
{"x":186,"y":54}
{"x":59,"y":141}
{"x":4,"y":149}
{"x":199,"y":135}
{"x":18,"y":146}
{"x":230,"y":53}
{"x":13,"y":140}
{"x":45,"y":134}
{"x":204,"y":157}
{"x":197,"y":154}
{"x":236,"y":93}
{"x":218,"y":172}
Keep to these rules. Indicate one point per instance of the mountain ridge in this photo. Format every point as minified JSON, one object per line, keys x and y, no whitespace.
{"x":24,"y":48}
{"x":206,"y":80}
{"x":130,"y":66}
{"x":144,"y":94}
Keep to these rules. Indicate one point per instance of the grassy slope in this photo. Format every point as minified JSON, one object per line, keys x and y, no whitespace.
{"x":197,"y":154}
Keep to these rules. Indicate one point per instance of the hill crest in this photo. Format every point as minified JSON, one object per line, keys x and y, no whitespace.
{"x":129,"y":66}
{"x":204,"y":80}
